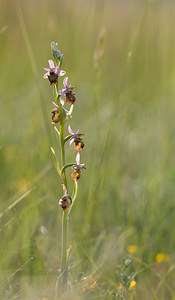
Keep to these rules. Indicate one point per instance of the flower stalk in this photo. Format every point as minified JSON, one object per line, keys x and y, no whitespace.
{"x":59,"y":118}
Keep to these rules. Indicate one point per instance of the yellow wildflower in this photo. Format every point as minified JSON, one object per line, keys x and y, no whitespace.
{"x":160,"y":257}
{"x":119,"y":287}
{"x":132,"y":284}
{"x":132,"y":249}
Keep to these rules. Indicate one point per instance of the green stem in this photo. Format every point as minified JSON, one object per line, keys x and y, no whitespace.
{"x":64,"y":269}
{"x":74,"y":196}
{"x":63,"y":152}
{"x":64,"y":266}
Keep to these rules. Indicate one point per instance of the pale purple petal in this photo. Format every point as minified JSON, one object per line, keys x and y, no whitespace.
{"x":81,"y":166}
{"x":55,"y":69}
{"x":74,"y":167}
{"x":65,"y":82}
{"x":78,"y":158}
{"x":55,"y":105}
{"x":62,"y":101}
{"x":70,"y":130}
{"x":51,"y":63}
{"x":46,"y":69}
{"x":65,"y":111}
{"x":61,"y":92}
{"x":60,"y":72}
{"x":46,"y":75}
{"x":71,"y":140}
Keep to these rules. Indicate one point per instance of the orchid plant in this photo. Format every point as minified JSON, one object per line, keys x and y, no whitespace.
{"x":59,"y":117}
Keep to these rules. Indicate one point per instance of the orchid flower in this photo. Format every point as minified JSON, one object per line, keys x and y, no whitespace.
{"x":53,"y":72}
{"x":66,"y":89}
{"x":74,"y":135}
{"x":62,"y":103}
{"x":65,"y":201}
{"x":70,"y":96}
{"x":56,"y":112}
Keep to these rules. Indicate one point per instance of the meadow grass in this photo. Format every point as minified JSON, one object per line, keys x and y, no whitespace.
{"x":126,"y":196}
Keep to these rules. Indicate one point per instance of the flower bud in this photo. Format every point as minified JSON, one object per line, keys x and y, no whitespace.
{"x":56,"y":53}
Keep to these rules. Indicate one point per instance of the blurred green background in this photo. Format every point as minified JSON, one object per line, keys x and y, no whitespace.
{"x":126,"y":108}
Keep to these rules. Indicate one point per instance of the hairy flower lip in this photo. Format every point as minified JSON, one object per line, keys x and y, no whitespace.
{"x":79,"y":144}
{"x":70,"y":97}
{"x":55,"y":116}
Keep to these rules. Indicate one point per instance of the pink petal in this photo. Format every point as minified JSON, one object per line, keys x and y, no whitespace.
{"x":60,"y":72}
{"x":46,"y":75}
{"x":70,"y":130}
{"x":51,"y":63}
{"x":65,"y":81}
{"x":78,"y":158}
{"x":71,"y":141}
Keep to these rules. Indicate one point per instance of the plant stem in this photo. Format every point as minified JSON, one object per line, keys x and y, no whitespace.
{"x":64,"y":270}
{"x":64,"y":267}
{"x":63,"y":151}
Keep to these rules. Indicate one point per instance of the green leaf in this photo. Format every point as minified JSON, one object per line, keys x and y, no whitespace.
{"x":56,"y":162}
{"x":57,"y":131}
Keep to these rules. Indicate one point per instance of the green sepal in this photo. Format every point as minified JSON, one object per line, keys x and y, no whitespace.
{"x":67,"y":138}
{"x":64,"y":114}
{"x":57,"y":131}
{"x":70,"y":198}
{"x":69,"y":114}
{"x":61,"y":60}
{"x":56,"y":162}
